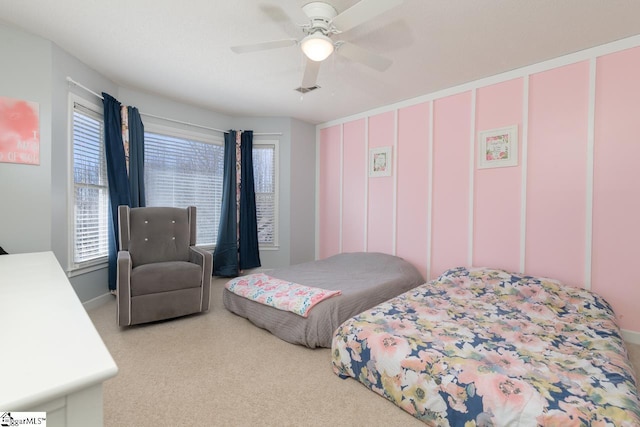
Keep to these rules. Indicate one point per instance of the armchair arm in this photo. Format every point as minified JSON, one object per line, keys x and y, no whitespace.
{"x":123,"y":288}
{"x":205,"y":260}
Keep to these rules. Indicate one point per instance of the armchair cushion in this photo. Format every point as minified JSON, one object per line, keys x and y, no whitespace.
{"x":161,"y":234}
{"x":165,"y":276}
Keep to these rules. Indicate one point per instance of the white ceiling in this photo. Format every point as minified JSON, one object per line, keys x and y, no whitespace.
{"x":181,"y":49}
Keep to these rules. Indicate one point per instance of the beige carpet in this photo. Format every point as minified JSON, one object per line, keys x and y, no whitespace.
{"x":217,"y":369}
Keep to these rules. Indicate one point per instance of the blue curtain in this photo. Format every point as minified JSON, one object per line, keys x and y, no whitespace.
{"x":249,"y":252}
{"x":225,"y":256}
{"x":237,"y":243}
{"x":122,"y":189}
{"x":136,"y":158}
{"x":116,"y":175}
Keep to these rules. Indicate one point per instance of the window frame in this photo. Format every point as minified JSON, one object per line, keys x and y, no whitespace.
{"x":276,"y":209}
{"x":73,"y":268}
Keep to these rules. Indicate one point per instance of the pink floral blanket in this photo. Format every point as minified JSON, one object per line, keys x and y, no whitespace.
{"x":483,"y":347}
{"x":281,"y":294}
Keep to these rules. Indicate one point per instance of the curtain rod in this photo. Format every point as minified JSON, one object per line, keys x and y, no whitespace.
{"x":70,"y":80}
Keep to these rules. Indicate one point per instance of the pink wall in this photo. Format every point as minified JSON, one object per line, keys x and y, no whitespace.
{"x":329,"y":192}
{"x":381,"y":194}
{"x":353,"y":200}
{"x":413,"y":185}
{"x":556,"y":198}
{"x":616,"y":186}
{"x":451,"y":151}
{"x":578,"y":201}
{"x":497,"y":191}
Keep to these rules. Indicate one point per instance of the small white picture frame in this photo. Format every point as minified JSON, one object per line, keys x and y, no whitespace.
{"x":498,"y":148}
{"x":380,"y":161}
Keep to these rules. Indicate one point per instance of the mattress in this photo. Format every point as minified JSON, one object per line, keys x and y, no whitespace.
{"x":486,"y":347}
{"x":364,"y":279}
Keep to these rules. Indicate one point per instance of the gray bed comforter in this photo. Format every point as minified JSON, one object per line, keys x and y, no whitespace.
{"x":365,"y":279}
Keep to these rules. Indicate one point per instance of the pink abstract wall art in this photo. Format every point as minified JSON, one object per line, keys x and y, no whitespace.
{"x":19,"y":131}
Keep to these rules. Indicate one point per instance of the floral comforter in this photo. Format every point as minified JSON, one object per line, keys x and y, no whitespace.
{"x":480,"y":347}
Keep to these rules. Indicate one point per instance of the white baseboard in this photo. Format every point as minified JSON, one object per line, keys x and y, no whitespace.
{"x":631,"y":336}
{"x":97,"y":301}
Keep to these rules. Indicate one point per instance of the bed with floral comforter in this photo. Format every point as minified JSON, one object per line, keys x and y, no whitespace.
{"x":480,"y":347}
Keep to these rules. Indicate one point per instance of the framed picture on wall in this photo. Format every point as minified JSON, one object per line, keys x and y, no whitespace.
{"x":498,"y":148}
{"x":380,"y":161}
{"x":19,"y":131}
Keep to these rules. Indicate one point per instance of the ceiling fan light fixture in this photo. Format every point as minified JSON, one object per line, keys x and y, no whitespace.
{"x":317,"y":46}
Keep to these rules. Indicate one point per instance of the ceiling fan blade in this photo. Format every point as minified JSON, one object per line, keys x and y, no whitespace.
{"x":363,"y":56}
{"x":264,"y":46}
{"x":311,"y":70}
{"x":361,"y":12}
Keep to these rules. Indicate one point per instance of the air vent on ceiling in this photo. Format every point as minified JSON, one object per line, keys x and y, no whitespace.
{"x":307,"y":89}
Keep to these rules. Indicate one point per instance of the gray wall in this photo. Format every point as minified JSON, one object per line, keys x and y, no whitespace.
{"x":163,"y":107}
{"x":25,"y":190}
{"x":302,"y":191}
{"x":90,"y":284}
{"x":36,"y":208}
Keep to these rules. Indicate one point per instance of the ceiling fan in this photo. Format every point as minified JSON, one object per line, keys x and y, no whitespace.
{"x":318,"y":43}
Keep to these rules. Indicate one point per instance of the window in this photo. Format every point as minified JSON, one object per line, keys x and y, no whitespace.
{"x":181,"y":169}
{"x":90,"y":189}
{"x":264,"y":175}
{"x":183,"y":172}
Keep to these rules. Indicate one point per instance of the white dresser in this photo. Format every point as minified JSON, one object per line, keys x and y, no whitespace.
{"x":52,"y":359}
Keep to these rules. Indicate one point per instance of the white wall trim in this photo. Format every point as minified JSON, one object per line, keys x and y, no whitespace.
{"x":366,"y":184}
{"x":71,"y":99}
{"x":430,"y":195}
{"x":523,"y":182}
{"x":591,"y":123}
{"x":98,"y":301}
{"x":583,"y":55}
{"x":341,"y":208}
{"x":472,"y":170}
{"x":87,"y":267}
{"x":317,"y":254}
{"x":631,"y":336}
{"x":395,"y":155}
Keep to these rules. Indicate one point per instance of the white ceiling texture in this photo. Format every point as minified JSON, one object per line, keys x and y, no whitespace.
{"x":182,"y":49}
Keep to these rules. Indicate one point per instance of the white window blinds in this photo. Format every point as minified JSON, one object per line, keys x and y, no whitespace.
{"x":91,"y":193}
{"x":179,"y":171}
{"x":182,"y":172}
{"x":264,"y":170}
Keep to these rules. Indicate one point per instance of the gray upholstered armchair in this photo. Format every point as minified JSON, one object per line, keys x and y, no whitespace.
{"x":161,"y":273}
